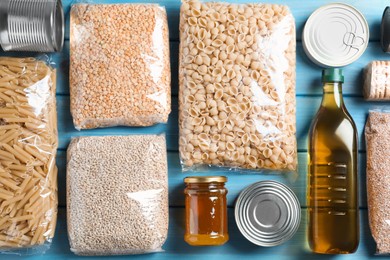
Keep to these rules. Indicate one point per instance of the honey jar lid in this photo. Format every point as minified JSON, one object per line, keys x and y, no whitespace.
{"x":205,"y":179}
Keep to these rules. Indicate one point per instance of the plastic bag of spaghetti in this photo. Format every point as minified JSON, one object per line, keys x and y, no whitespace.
{"x":28,"y":145}
{"x":119,"y":65}
{"x":237,"y":86}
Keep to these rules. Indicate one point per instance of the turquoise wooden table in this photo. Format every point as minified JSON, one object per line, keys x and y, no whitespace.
{"x":308,"y":93}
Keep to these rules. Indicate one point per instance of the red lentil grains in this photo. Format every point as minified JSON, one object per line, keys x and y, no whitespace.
{"x":119,"y":65}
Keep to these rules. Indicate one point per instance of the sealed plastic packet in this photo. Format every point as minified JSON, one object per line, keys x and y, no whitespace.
{"x":28,"y":145}
{"x":377,"y":81}
{"x":119,"y":65}
{"x":377,"y":133}
{"x":117,"y":194}
{"x":237,"y":86}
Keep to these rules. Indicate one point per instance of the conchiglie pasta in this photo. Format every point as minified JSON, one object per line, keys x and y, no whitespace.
{"x":237,"y":86}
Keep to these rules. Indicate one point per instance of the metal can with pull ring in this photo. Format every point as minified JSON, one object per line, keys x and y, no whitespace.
{"x":335,"y":35}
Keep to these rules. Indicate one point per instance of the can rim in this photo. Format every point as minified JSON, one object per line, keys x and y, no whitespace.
{"x":307,"y":46}
{"x":58,"y":22}
{"x":292,"y":204}
{"x":385,"y":26}
{"x":205,"y":179}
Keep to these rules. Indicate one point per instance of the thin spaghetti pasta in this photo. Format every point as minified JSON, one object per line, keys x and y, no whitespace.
{"x":28,"y":144}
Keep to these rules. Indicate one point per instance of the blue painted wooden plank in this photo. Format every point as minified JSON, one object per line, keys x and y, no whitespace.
{"x":236,"y":247}
{"x":308,"y":74}
{"x":300,"y":9}
{"x":236,"y":181}
{"x":306,"y":109}
{"x":66,"y":129}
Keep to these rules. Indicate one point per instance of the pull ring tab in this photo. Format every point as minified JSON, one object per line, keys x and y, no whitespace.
{"x":353,"y":40}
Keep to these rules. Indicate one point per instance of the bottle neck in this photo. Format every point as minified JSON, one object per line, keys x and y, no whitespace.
{"x":333,"y":96}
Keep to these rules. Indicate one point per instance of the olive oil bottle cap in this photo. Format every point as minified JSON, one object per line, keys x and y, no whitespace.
{"x":332,"y":75}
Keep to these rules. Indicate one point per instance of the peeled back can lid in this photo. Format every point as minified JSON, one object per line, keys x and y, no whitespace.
{"x":267,"y":213}
{"x":335,"y":35}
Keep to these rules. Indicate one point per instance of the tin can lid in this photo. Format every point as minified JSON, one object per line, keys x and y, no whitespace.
{"x":385,"y":30}
{"x":335,"y":35}
{"x":267,"y":213}
{"x":205,"y":179}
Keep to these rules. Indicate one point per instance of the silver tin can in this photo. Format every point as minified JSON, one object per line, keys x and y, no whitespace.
{"x":31,"y":25}
{"x":385,"y":30}
{"x":335,"y":35}
{"x":267,"y":213}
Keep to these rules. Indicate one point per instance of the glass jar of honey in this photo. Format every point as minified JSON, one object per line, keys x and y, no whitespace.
{"x":206,"y":211}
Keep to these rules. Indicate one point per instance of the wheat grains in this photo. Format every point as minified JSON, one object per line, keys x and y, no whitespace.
{"x":237,"y":86}
{"x":117,"y":194}
{"x":377,"y":134}
{"x":119,"y":65}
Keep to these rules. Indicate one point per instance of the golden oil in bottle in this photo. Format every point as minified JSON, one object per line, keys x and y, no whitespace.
{"x":332,"y":194}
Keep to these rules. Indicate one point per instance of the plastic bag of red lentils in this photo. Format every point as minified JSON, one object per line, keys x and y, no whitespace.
{"x":119,"y":65}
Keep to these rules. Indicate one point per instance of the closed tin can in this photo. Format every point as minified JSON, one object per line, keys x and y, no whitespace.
{"x":31,"y":25}
{"x":335,"y":35}
{"x":385,"y":30}
{"x":267,"y":213}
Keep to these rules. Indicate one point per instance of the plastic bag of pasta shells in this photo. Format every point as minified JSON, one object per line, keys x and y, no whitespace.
{"x":237,"y":86}
{"x":119,"y":65}
{"x":28,"y":145}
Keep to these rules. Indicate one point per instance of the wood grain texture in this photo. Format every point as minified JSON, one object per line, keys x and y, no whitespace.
{"x":236,"y":182}
{"x":301,"y":9}
{"x":236,"y":248}
{"x":308,"y":99}
{"x":307,"y":106}
{"x":308,"y":74}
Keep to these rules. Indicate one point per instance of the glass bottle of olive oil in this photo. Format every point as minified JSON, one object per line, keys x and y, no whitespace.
{"x":332,"y":179}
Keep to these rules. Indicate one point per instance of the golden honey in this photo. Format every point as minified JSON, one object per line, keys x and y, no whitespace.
{"x":206,"y":211}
